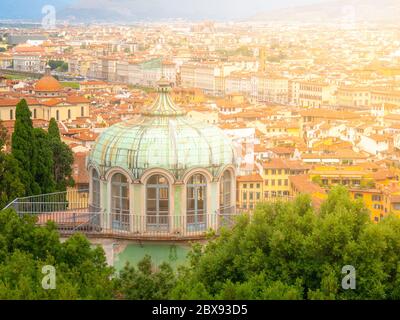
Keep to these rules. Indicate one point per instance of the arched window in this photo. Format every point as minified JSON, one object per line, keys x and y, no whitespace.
{"x":69,"y":113}
{"x":157,"y":203}
{"x":34,"y":113}
{"x":196,"y":202}
{"x":120,"y":202}
{"x":95,"y":190}
{"x":11,"y":114}
{"x":57,"y":115}
{"x":82,"y":111}
{"x":225,"y":188}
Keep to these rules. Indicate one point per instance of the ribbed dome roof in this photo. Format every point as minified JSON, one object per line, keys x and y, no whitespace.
{"x":163,"y":137}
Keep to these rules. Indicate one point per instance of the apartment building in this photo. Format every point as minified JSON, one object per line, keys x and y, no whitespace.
{"x":315,"y":94}
{"x":79,"y":66}
{"x":240,"y":82}
{"x":352,"y":96}
{"x":276,"y":173}
{"x":379,"y":97}
{"x":207,"y":76}
{"x":29,"y":62}
{"x":249,"y":191}
{"x":352,"y":177}
{"x":374,"y":144}
{"x":146,"y":73}
{"x":270,"y":88}
{"x":373,"y":199}
{"x":6,"y":60}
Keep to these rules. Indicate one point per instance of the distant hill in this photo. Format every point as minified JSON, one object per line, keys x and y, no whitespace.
{"x":337,"y":11}
{"x":154,"y":10}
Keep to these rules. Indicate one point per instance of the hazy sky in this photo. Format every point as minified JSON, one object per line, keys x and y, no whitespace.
{"x":232,"y":9}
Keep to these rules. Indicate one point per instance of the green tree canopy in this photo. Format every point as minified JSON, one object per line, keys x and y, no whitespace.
{"x":291,"y":251}
{"x":24,"y":149}
{"x":81,"y":271}
{"x":11,"y":186}
{"x":44,"y":163}
{"x":3,"y":135}
{"x":59,"y":65}
{"x":145,"y":282}
{"x":62,"y":157}
{"x":285,"y":250}
{"x":53,"y":130}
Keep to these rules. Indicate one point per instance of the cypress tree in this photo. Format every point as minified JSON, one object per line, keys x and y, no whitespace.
{"x":44,"y":171}
{"x":53,"y":130}
{"x":11,"y":186}
{"x":3,"y":135}
{"x":23,"y":148}
{"x":63,"y":158}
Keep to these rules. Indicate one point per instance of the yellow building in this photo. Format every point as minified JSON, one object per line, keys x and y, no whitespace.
{"x":276,"y":173}
{"x":187,"y":96}
{"x":373,"y":199}
{"x":249,"y":191}
{"x":283,"y":128}
{"x":352,"y":176}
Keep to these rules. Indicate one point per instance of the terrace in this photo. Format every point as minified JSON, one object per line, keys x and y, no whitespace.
{"x":72,"y":213}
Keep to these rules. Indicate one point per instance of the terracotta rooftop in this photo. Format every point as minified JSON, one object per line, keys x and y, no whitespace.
{"x":305,"y":185}
{"x":284,"y":164}
{"x":48,"y":84}
{"x":250,"y":178}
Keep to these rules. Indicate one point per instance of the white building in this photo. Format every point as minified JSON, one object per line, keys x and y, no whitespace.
{"x":270,"y":88}
{"x":29,"y":62}
{"x":147,"y":73}
{"x":374,"y":144}
{"x":238,"y":82}
{"x":207,"y":76}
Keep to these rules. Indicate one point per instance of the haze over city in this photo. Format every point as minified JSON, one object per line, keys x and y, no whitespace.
{"x":150,"y":10}
{"x":200,"y":150}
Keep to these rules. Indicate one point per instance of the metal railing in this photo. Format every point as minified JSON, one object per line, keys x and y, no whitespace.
{"x":143,"y":227}
{"x":71,"y":212}
{"x":52,"y":202}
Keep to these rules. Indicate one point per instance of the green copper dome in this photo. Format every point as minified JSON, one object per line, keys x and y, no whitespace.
{"x":162,"y":137}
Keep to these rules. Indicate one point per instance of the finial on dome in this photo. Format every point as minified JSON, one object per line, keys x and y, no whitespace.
{"x":164,"y":85}
{"x":163,"y":105}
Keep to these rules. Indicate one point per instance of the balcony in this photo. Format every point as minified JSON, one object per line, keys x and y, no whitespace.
{"x":71,"y":212}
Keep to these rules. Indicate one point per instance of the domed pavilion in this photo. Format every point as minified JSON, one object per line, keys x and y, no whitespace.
{"x":162,"y":173}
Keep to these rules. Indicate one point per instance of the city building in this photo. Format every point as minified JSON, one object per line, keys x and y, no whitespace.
{"x":249,"y":191}
{"x":276,"y":173}
{"x":48,"y":101}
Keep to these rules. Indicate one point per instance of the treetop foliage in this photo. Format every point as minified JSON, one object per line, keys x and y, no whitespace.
{"x":285,"y":250}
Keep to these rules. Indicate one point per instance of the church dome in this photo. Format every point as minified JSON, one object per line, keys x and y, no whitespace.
{"x":48,"y":83}
{"x":163,"y":136}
